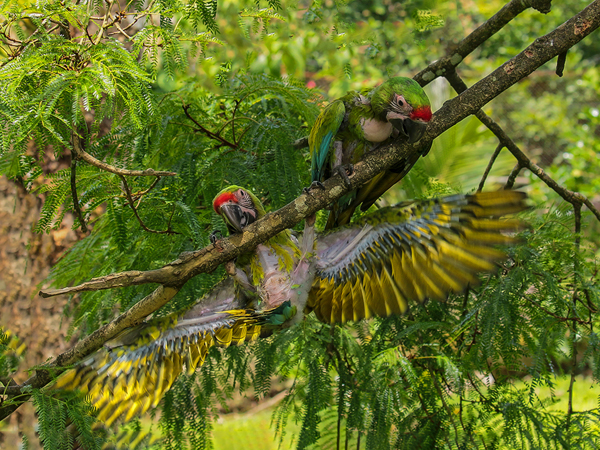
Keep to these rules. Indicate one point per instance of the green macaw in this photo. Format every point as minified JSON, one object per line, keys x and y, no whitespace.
{"x":375,"y":267}
{"x":354,"y":124}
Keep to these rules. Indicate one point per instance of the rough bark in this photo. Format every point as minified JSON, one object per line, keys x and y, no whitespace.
{"x":25,"y":260}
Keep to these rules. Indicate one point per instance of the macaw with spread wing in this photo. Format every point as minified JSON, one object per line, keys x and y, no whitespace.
{"x":375,"y":267}
{"x":353,"y":125}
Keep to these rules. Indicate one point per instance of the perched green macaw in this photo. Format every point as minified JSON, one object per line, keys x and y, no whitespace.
{"x":375,"y":267}
{"x":354,"y":124}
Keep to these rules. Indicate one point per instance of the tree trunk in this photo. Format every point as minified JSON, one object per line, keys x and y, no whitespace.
{"x":25,"y":261}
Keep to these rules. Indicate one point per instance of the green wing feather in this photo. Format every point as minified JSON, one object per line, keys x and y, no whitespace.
{"x":411,"y":252}
{"x":321,"y":137}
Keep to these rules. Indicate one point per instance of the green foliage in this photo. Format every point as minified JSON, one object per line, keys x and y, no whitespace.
{"x":62,"y":422}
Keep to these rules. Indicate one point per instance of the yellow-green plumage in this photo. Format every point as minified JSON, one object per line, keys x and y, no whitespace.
{"x":137,"y":383}
{"x":412,"y":252}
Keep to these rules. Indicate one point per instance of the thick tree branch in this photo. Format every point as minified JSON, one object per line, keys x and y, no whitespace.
{"x":174,"y":275}
{"x":542,"y":50}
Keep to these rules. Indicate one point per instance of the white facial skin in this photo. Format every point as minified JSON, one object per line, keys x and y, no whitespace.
{"x":245,"y":203}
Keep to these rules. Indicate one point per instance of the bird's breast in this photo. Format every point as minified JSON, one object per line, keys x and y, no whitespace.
{"x":375,"y":130}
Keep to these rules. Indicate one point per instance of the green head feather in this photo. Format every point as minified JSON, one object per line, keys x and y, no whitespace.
{"x":383,"y":96}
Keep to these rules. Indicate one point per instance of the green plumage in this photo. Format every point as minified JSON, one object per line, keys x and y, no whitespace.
{"x":352,"y":125}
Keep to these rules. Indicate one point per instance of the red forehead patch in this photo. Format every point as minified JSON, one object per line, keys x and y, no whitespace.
{"x":224,"y":197}
{"x":423,"y":113}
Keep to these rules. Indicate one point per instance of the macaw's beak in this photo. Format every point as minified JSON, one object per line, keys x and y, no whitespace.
{"x":235,"y":218}
{"x":409,"y":128}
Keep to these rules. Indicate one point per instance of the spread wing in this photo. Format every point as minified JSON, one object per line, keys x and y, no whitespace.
{"x":411,"y":252}
{"x":134,"y":370}
{"x":321,"y":136}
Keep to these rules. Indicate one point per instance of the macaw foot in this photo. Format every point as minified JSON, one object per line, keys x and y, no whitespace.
{"x":238,"y":275}
{"x":212,"y":237}
{"x":313,"y":185}
{"x":344,"y":171}
{"x":230,"y":268}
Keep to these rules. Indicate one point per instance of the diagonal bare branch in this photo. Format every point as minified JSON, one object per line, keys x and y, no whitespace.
{"x":85,"y":156}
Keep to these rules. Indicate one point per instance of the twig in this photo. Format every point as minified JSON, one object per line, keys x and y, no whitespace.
{"x":560,"y":64}
{"x":489,"y":166}
{"x":237,"y":104}
{"x":512,"y":177}
{"x":76,"y":206}
{"x":82,"y":154}
{"x":556,"y":316}
{"x":164,"y":275}
{"x":476,"y":38}
{"x":104,"y":19}
{"x":577,"y":212}
{"x":142,"y":193}
{"x":122,"y":31}
{"x":135,"y":212}
{"x":441,"y":396}
{"x":210,"y":134}
{"x":300,"y":143}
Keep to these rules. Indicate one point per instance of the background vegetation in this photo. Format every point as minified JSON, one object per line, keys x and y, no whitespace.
{"x":216,"y":93}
